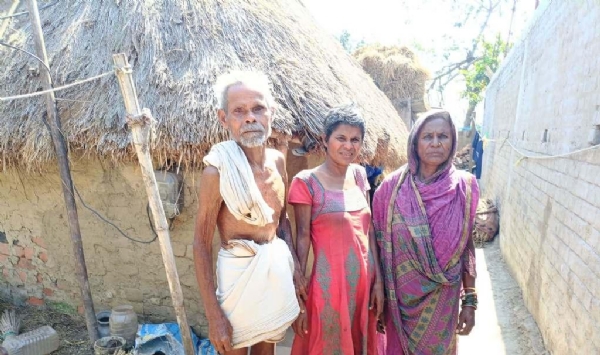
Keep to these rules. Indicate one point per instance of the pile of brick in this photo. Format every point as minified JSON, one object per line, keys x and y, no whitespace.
{"x":464,"y":159}
{"x":486,"y":222}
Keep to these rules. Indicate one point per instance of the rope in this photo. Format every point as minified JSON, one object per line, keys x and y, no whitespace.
{"x":26,"y":12}
{"x":24,"y":51}
{"x":547,"y":157}
{"x":38,"y":93}
{"x":97,"y":214}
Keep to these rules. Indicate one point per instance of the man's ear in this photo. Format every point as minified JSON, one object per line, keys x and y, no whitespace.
{"x":273,"y":111}
{"x":222,"y":117}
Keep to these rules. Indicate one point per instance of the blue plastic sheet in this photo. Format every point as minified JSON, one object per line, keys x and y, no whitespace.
{"x":166,"y":338}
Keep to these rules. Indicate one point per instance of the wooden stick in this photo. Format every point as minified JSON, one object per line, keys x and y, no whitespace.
{"x":140,"y":135}
{"x":11,"y":11}
{"x":60,"y":147}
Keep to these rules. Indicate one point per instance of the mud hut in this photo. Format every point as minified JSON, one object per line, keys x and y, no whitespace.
{"x":177,"y":48}
{"x":397,"y":71}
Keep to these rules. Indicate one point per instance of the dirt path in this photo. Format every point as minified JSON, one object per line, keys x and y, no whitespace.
{"x":504,"y":326}
{"x":503,"y":323}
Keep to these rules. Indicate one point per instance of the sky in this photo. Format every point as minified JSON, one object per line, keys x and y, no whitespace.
{"x":428,"y":26}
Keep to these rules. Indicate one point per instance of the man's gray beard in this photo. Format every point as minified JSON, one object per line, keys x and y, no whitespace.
{"x":253,"y":142}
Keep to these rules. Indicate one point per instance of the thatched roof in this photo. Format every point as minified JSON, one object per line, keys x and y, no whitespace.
{"x":397,"y":71}
{"x":177,"y":48}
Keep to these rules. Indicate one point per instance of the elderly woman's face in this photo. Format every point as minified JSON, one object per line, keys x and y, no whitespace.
{"x":434,"y":142}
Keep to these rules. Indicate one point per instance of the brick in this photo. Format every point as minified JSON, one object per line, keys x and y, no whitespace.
{"x":3,"y":259}
{"x":25,"y":264}
{"x":22,"y":276}
{"x":28,"y":253}
{"x":4,"y":249}
{"x":39,"y":242}
{"x":48,"y":292}
{"x":80,"y":310}
{"x":18,"y":250}
{"x":34,"y":301}
{"x":43,"y":256}
{"x":39,"y":278}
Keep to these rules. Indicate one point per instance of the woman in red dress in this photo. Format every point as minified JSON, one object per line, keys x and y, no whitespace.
{"x":345,"y":293}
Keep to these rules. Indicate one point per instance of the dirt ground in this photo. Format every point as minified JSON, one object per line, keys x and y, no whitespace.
{"x":71,"y":328}
{"x":503,"y":323}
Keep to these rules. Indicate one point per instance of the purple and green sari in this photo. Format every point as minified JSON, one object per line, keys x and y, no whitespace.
{"x":423,"y":230}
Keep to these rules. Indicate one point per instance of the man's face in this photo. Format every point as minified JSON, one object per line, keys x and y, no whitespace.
{"x":247,"y":117}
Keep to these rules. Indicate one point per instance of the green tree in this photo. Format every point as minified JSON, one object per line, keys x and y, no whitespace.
{"x":478,"y":75}
{"x":344,"y":39}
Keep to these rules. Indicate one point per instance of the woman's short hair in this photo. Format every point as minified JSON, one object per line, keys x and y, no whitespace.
{"x":345,"y":114}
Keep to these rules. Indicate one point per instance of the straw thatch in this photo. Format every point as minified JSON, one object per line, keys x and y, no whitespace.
{"x":397,"y":71}
{"x":177,"y":48}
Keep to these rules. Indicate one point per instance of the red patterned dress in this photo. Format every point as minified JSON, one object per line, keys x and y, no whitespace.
{"x":339,"y":321}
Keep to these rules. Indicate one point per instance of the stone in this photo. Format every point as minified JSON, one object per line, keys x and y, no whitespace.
{"x":48,"y":292}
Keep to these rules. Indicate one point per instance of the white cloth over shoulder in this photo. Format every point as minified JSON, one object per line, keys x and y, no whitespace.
{"x":237,"y":185}
{"x":256,"y":290}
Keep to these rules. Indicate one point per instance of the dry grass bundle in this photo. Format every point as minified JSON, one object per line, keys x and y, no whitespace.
{"x":463,"y":159}
{"x":395,"y":70}
{"x":177,"y":48}
{"x":486,"y":222}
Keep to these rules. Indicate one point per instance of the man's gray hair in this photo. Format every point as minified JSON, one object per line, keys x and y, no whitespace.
{"x":253,"y":79}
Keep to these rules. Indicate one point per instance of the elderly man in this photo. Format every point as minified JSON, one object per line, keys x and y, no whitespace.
{"x":243,"y":193}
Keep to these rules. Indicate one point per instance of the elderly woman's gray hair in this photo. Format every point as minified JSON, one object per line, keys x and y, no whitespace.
{"x":252,"y":79}
{"x":345,"y":114}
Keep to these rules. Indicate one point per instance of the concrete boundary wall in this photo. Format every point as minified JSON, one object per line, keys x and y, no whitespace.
{"x":545,"y":101}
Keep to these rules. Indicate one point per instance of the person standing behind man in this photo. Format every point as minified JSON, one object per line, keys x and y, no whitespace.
{"x":331,"y":206}
{"x":242,"y":192}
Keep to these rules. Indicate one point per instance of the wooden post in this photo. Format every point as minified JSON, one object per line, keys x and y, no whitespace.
{"x":60,"y":147}
{"x":140,"y":136}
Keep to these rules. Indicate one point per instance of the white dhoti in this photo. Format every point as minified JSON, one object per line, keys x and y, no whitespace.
{"x":256,"y":290}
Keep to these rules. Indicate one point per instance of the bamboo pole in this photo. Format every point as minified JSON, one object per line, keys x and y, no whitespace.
{"x":60,"y":148}
{"x":140,"y":132}
{"x":11,"y":11}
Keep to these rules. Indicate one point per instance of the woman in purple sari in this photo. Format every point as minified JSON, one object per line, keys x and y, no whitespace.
{"x":423,"y":216}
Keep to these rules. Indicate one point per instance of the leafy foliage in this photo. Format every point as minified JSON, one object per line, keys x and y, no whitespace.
{"x":478,"y":75}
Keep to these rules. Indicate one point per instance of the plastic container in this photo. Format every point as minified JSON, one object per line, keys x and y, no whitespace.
{"x":103,"y":318}
{"x":108,"y":345}
{"x":40,"y":341}
{"x":124,"y":323}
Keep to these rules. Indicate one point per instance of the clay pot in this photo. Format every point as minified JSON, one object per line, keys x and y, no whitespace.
{"x":102,"y":318}
{"x":124,"y":323}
